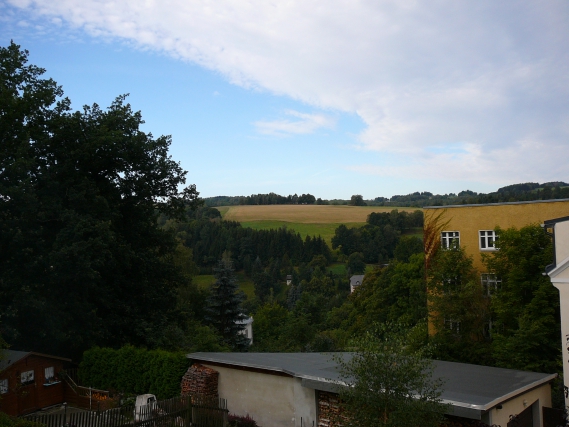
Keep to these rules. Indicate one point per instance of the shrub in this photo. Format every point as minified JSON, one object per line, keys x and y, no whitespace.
{"x":239,"y":421}
{"x":134,"y":370}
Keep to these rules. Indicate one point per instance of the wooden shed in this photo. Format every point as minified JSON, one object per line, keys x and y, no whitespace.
{"x":30,"y":381}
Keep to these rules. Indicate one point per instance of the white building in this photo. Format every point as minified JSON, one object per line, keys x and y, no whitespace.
{"x":247,"y":328}
{"x":559,"y":274}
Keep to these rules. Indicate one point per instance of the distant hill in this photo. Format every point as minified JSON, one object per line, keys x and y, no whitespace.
{"x":511,"y":193}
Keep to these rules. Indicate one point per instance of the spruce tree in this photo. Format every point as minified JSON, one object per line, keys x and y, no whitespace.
{"x":224,"y":306}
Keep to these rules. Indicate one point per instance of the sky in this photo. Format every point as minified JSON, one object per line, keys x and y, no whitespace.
{"x":327,"y":97}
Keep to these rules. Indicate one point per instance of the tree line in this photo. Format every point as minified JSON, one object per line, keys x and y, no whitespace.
{"x":511,"y":193}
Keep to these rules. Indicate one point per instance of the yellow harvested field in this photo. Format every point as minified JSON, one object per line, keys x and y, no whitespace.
{"x":306,"y":214}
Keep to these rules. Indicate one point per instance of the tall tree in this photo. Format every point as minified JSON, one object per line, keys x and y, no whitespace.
{"x":224,"y":306}
{"x":525,"y":306}
{"x":82,"y":260}
{"x":458,"y":309}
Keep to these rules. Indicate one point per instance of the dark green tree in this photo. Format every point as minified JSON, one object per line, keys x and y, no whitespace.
{"x":459,"y":308}
{"x":356,"y":264}
{"x":525,"y":306}
{"x":82,"y":260}
{"x":224,"y":307}
{"x":357,"y":200}
{"x":388,"y":384}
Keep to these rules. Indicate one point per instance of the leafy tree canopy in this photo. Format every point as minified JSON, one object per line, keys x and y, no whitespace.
{"x":525,"y":306}
{"x":388,"y":384}
{"x":82,"y":260}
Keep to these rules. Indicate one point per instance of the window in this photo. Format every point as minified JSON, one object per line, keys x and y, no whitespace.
{"x":490,"y":283}
{"x":49,"y":374}
{"x":4,"y":386}
{"x":452,"y":325}
{"x":27,"y":377}
{"x":450,"y":239}
{"x":487,"y":240}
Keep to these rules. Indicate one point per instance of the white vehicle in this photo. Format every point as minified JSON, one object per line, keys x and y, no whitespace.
{"x":144,"y":407}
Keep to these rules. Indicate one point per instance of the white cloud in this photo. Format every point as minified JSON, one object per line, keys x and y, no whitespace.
{"x":305,"y":124}
{"x":490,"y":76}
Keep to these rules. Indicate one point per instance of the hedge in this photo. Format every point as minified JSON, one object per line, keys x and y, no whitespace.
{"x":8,"y":421}
{"x":134,"y":370}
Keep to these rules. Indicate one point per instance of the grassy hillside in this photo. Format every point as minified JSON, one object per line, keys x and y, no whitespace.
{"x":303,"y":214}
{"x":308,"y":220}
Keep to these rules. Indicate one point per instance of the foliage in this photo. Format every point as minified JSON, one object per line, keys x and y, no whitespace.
{"x":134,"y":370}
{"x":386,"y":384}
{"x":356,"y":264}
{"x":511,"y":193}
{"x":210,"y":239}
{"x":526,"y":307}
{"x":458,"y":308}
{"x":8,"y":421}
{"x":396,"y":293}
{"x":407,"y":246}
{"x":240,"y":421}
{"x":224,"y":307}
{"x":357,"y":200}
{"x":82,"y":261}
{"x":377,"y":239}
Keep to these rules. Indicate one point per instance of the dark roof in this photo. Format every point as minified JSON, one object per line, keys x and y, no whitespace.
{"x":357,"y":278}
{"x":9,"y":357}
{"x":555,"y":220}
{"x":470,"y":389}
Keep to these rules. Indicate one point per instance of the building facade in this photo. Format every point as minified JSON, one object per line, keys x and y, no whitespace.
{"x":472,"y":226}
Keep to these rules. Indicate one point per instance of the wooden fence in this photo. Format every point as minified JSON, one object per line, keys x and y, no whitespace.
{"x":184,"y":411}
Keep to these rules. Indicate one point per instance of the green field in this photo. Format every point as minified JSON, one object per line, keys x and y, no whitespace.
{"x":245,"y":284}
{"x":326,"y":231}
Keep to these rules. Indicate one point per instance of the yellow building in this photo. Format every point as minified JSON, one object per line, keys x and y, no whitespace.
{"x":472,"y":226}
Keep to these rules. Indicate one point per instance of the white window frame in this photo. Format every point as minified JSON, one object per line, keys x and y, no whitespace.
{"x":490,"y":283}
{"x":448,"y":239}
{"x":27,"y":377}
{"x":487,"y":240}
{"x":4,"y":386}
{"x":452,"y":325}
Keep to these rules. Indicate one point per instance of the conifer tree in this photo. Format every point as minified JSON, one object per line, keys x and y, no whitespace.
{"x":224,"y":306}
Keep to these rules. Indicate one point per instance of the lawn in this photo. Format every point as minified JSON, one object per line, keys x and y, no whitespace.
{"x":245,"y":284}
{"x":326,"y":230}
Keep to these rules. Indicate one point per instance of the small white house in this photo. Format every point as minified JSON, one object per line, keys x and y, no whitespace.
{"x":288,"y":280}
{"x":247,"y":328}
{"x":355,"y":281}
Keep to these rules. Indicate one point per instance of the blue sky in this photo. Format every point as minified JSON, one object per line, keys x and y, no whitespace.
{"x":331,"y":98}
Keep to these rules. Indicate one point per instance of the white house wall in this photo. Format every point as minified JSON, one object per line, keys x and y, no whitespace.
{"x":560,"y":279}
{"x":561,"y":241}
{"x":270,"y":400}
{"x":516,"y":405}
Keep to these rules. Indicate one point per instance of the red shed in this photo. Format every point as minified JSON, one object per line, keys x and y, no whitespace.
{"x":30,"y":381}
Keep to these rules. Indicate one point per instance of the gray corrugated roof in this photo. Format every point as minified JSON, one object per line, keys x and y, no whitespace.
{"x":9,"y":357}
{"x":468,"y":386}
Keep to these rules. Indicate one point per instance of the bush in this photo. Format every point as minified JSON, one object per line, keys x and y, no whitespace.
{"x":134,"y":370}
{"x":8,"y":421}
{"x":239,"y":421}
